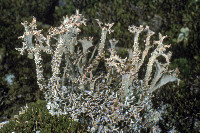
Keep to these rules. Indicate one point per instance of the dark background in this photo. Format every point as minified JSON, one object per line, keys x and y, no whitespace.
{"x":165,"y":16}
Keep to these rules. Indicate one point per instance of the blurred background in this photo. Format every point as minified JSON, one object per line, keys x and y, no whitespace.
{"x":179,"y":20}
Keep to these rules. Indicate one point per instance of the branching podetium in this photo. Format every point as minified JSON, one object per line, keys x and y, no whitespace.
{"x":79,"y":89}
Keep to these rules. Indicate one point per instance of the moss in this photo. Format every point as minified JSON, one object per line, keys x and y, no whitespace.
{"x":37,"y":118}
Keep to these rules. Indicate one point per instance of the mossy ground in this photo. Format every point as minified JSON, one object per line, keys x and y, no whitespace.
{"x":37,"y":118}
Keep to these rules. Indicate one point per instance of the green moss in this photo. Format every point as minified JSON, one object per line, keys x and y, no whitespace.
{"x":37,"y":118}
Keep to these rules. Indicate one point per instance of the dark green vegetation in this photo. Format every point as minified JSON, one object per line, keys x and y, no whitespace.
{"x":169,"y":17}
{"x":37,"y":118}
